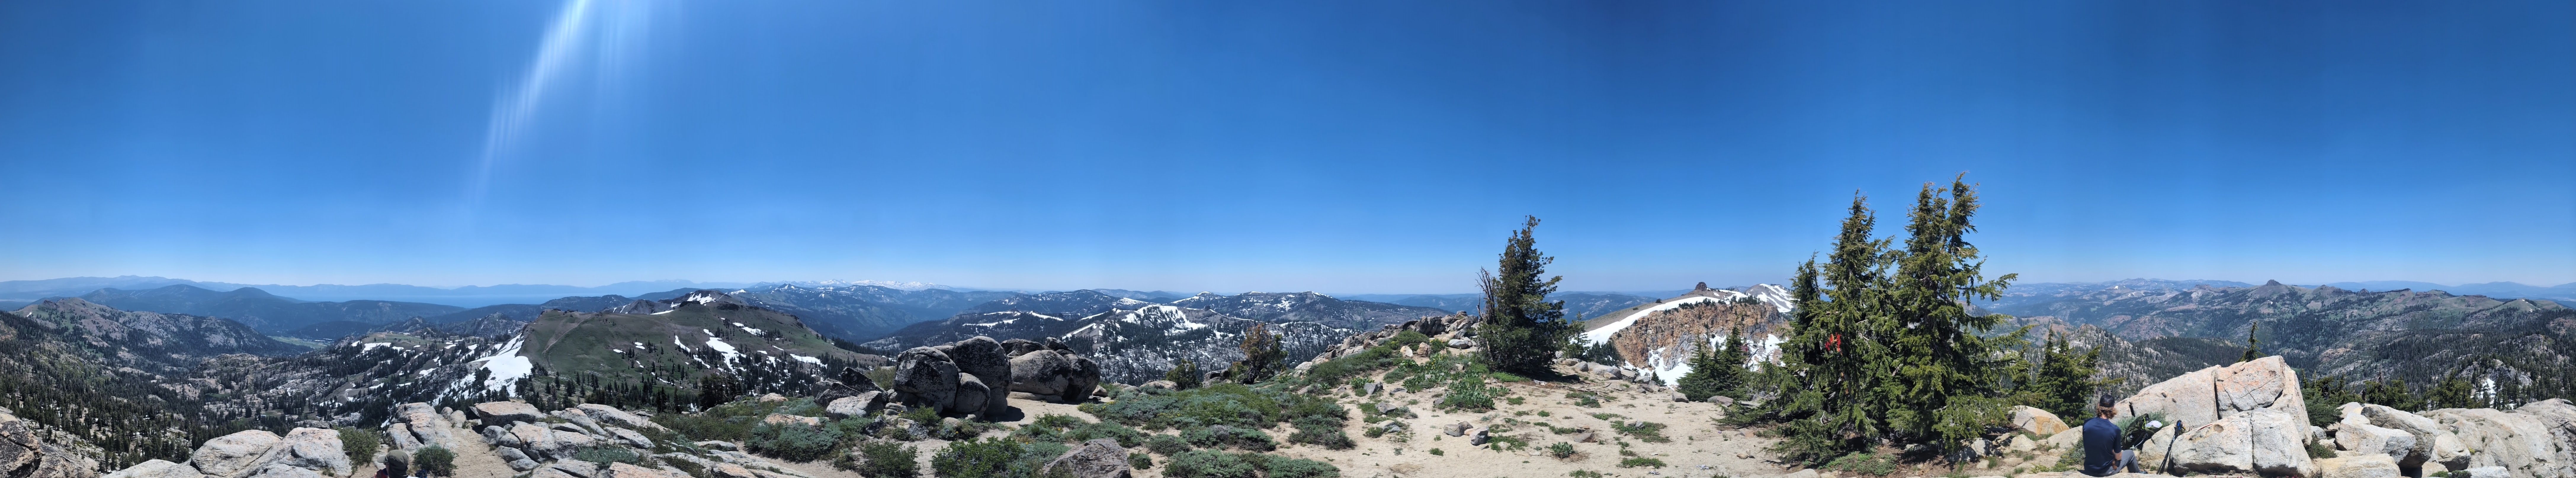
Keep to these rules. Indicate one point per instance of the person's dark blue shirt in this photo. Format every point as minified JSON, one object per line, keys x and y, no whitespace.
{"x":2101,"y":447}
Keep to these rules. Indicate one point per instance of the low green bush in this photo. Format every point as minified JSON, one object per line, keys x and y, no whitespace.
{"x":985,"y":458}
{"x":791,"y":441}
{"x":1437,"y":452}
{"x":1222,"y":436}
{"x":1322,"y":432}
{"x":608,"y":454}
{"x":1140,"y":460}
{"x":1210,"y":464}
{"x":1637,"y":461}
{"x":1560,"y":449}
{"x":1167,"y":445}
{"x":1649,"y":432}
{"x":434,"y":461}
{"x":885,"y":459}
{"x":360,"y":445}
{"x":1284,"y":467}
{"x":1865,"y":463}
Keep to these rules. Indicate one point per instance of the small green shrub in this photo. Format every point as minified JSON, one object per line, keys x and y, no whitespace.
{"x":1222,"y":436}
{"x":1127,"y":437}
{"x":360,"y":445}
{"x":1864,"y":463}
{"x":1210,"y":464}
{"x":1560,"y":450}
{"x":1649,"y":432}
{"x":886,"y":459}
{"x":434,"y":460}
{"x":2318,"y":450}
{"x":1583,"y":474}
{"x":985,"y":458}
{"x":1637,"y":461}
{"x":1284,"y":467}
{"x":792,"y":442}
{"x":1167,"y":445}
{"x":608,"y":454}
{"x":1437,"y":452}
{"x":1140,"y":460}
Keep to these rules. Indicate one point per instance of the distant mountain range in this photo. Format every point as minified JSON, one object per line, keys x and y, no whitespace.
{"x":468,"y":296}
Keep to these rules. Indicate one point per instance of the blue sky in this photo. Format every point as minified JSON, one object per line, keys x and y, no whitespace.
{"x":1352,"y":146}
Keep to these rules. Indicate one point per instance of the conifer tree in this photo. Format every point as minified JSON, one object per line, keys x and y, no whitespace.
{"x":1830,"y":401}
{"x":1262,"y":355}
{"x":1947,"y":373}
{"x":2452,"y":392}
{"x":1714,"y":372}
{"x":2253,"y":344}
{"x":2064,"y":381}
{"x":1521,"y":329}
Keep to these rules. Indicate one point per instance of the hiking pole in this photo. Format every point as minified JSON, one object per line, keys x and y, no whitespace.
{"x":2167,"y":466}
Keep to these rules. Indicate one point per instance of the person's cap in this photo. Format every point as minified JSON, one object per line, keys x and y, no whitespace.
{"x":2104,"y":401}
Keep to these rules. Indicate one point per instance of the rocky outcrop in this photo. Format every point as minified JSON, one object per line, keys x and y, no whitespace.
{"x":2521,"y":443}
{"x":1056,"y":375}
{"x":302,"y":453}
{"x":2036,"y":421}
{"x":969,"y":376}
{"x":2245,"y":418}
{"x":2358,"y":466}
{"x":502,"y":413}
{"x":22,"y":455}
{"x":1098,"y":458}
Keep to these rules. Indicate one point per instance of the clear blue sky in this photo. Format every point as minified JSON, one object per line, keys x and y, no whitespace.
{"x":1349,"y":146}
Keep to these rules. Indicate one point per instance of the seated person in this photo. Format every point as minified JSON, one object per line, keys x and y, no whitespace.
{"x":2102,"y":453}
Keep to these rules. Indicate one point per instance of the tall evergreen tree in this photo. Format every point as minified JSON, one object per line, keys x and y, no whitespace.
{"x":1262,"y":355}
{"x":1521,"y":329}
{"x":1947,"y":373}
{"x":1715,"y":370}
{"x":1830,"y":401}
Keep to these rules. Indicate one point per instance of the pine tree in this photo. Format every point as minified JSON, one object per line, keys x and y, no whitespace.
{"x":2452,"y":392}
{"x":1947,"y":373}
{"x":1829,"y":401}
{"x":2253,"y":344}
{"x":2391,"y":393}
{"x":2063,"y":382}
{"x":1262,"y":355}
{"x":1714,"y":372}
{"x":1521,"y":329}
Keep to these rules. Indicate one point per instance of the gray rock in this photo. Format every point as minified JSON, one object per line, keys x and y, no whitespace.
{"x":1160,"y":384}
{"x":1679,"y":397}
{"x":717,"y":445}
{"x":1054,"y":373}
{"x":972,"y":395}
{"x":2485,"y":472}
{"x":1722,"y":400}
{"x":856,"y":406}
{"x":549,"y":472}
{"x":2368,"y":439}
{"x":236,"y":455}
{"x":2520,"y":443}
{"x":282,"y":470}
{"x":630,"y":438}
{"x":925,"y":377}
{"x":399,"y":436}
{"x":539,"y":443}
{"x":1098,"y":458}
{"x":1461,"y":343}
{"x":2359,"y":466}
{"x":2260,"y":441}
{"x":522,"y":464}
{"x":314,"y":449}
{"x":1373,"y":387}
{"x":493,"y":435}
{"x":838,"y":390}
{"x":1480,"y":436}
{"x":510,"y":454}
{"x":623,"y":470}
{"x":983,"y":357}
{"x":156,"y":469}
{"x":576,"y":468}
{"x":1455,"y":429}
{"x":502,"y":413}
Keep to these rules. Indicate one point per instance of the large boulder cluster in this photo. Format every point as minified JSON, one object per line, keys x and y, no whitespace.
{"x":302,"y":453}
{"x":22,"y":455}
{"x":976,"y":376}
{"x":2245,"y":418}
{"x":1051,"y":371}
